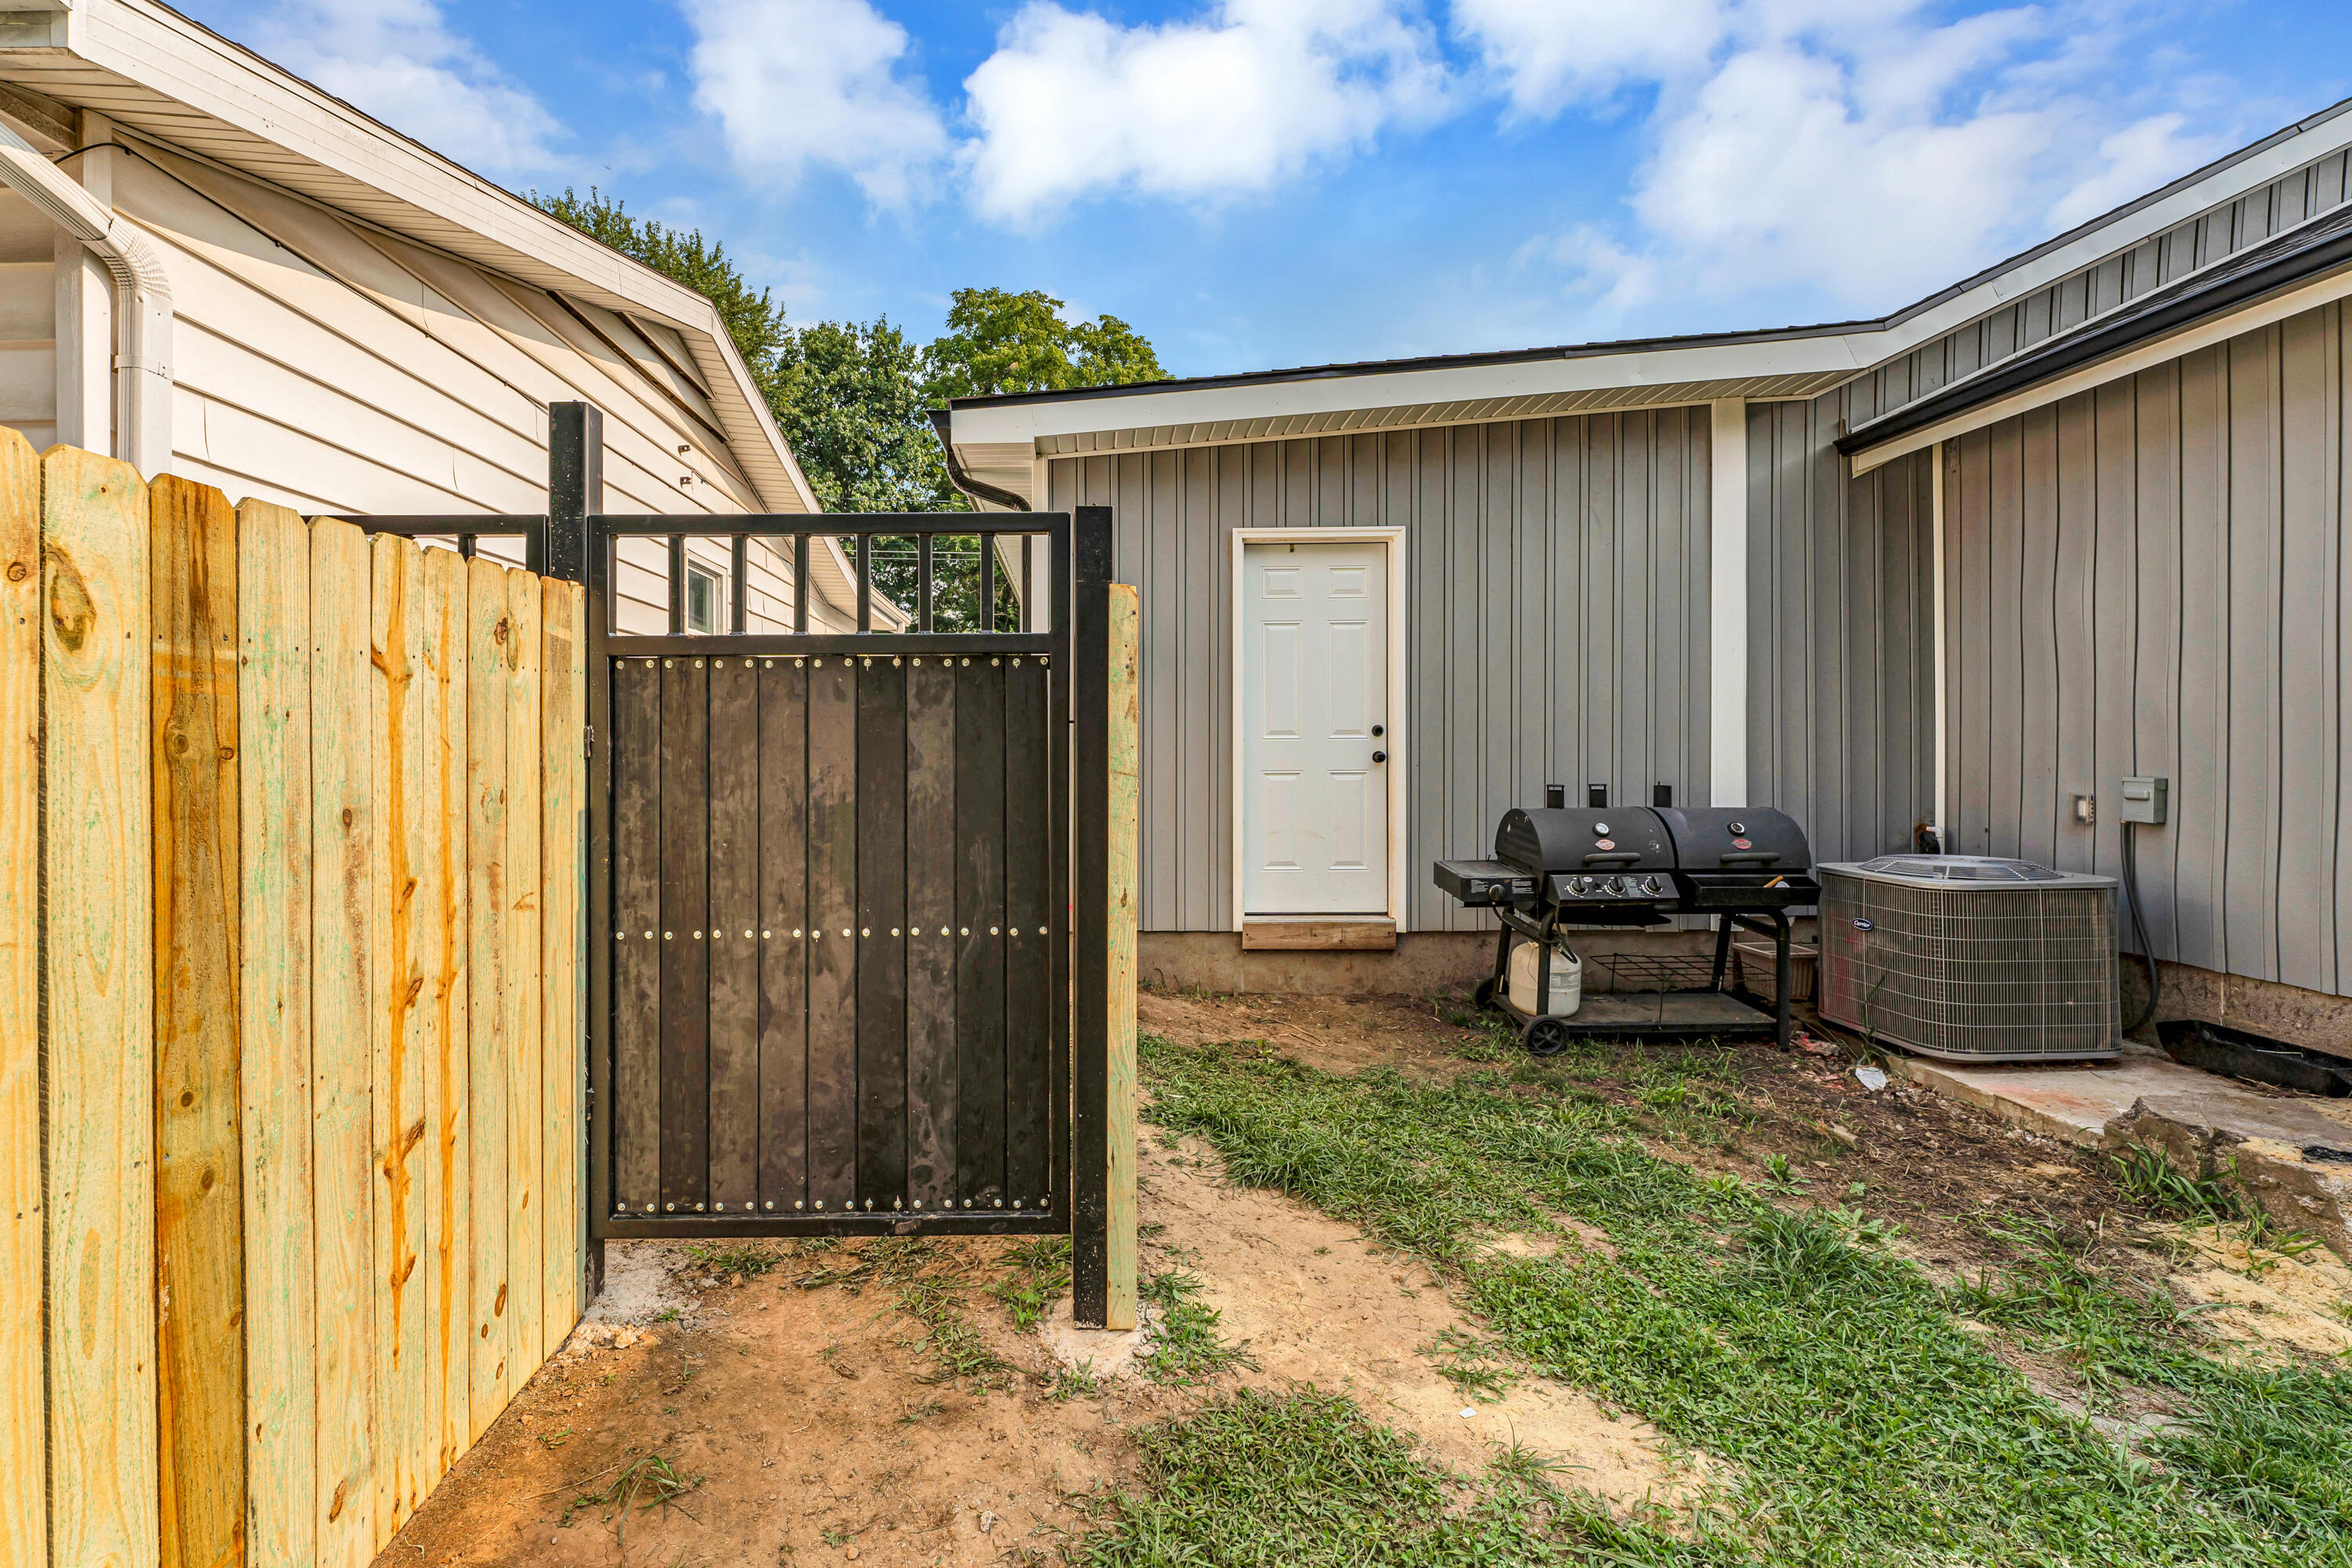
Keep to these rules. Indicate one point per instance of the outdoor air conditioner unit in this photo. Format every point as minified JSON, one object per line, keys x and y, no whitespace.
{"x":1971,"y":959}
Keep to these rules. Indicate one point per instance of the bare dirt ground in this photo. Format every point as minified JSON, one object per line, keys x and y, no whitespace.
{"x":810,"y":1422}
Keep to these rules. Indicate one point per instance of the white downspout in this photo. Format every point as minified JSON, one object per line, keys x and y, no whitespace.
{"x":142,"y":299}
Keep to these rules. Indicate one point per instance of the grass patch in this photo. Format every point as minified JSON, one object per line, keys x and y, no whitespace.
{"x":1857,"y":1421}
{"x":1307,"y":1479}
{"x":734,"y":1260}
{"x":644,"y":1483}
{"x":1034,"y":1275}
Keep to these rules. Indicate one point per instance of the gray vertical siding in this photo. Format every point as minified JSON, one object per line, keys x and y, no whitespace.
{"x":1840,"y":632}
{"x":1556,"y":624}
{"x":2149,"y":578}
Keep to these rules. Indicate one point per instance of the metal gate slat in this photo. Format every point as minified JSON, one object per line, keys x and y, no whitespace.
{"x":684,"y":957}
{"x":980,"y":920}
{"x":733,"y":936}
{"x":1028,"y":859}
{"x":931,"y":1079}
{"x":635,"y":707}
{"x":881,"y":934}
{"x":832,"y":945}
{"x":783,"y":943}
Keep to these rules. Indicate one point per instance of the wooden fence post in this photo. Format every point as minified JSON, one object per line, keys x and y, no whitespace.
{"x":563,"y":686}
{"x":24,"y":1463}
{"x":1119,"y":1301}
{"x":199,"y":1166}
{"x":273,"y":599}
{"x":100,"y":1005}
{"x":488,"y":689}
{"x":526,"y":1205}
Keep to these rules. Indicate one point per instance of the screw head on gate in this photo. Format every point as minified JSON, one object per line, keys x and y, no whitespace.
{"x":668,"y":935}
{"x":845,"y":930}
{"x":698,"y":664}
{"x":669,"y":663}
{"x":698,"y":936}
{"x":798,"y":662}
{"x":896,"y":1204}
{"x":820,"y":1203}
{"x":620,"y":936}
{"x":698,"y":1208}
{"x":669,"y":1208}
{"x":1000,"y":1203}
{"x":1016,"y":661}
{"x":894,"y":661}
{"x":919,"y":1203}
{"x":1018,"y":1202}
{"x":721,"y":1208}
{"x":991,"y":930}
{"x":747,"y":936}
{"x":769,"y":1204}
{"x":862,"y":930}
{"x":620,"y":1203}
{"x":869,"y":1204}
{"x":768,"y":664}
{"x":967,"y":661}
{"x":797,"y":933}
{"x":814,"y":933}
{"x":967,"y":1203}
{"x":763,"y":935}
{"x":967,"y":931}
{"x":820,"y":664}
{"x":803,"y":1203}
{"x":995,"y":661}
{"x":649,"y":936}
{"x":868,"y":662}
{"x":894,"y":931}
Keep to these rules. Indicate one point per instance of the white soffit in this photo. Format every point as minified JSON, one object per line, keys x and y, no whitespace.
{"x":159,"y":75}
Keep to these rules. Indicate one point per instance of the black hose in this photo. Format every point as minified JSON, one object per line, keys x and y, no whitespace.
{"x":2139,"y":931}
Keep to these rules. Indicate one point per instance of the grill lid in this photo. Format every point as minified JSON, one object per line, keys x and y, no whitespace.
{"x":1754,"y":839}
{"x":1584,"y":839}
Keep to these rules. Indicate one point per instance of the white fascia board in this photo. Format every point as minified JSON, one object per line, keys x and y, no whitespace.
{"x":1340,"y":393}
{"x":168,"y":54}
{"x":1845,"y":350}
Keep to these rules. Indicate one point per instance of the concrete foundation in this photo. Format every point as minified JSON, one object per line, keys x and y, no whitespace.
{"x":1423,"y":964}
{"x":2312,"y":1019}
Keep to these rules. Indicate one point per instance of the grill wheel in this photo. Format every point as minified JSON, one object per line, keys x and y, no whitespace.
{"x":1545,"y":1036}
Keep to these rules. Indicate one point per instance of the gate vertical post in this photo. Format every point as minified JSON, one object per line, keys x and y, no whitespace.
{"x":1090,"y":913}
{"x":575,"y":488}
{"x":574,"y":550}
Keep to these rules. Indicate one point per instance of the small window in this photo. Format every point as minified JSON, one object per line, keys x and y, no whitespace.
{"x":702,"y":596}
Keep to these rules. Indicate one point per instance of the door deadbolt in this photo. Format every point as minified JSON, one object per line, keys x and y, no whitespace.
{"x":1378,"y":731}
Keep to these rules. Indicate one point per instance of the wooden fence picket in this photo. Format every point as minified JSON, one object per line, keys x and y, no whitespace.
{"x":564,"y":841}
{"x":526,"y":1269}
{"x":101,"y":1011}
{"x":342,"y":943}
{"x":489,"y":682}
{"x":199,"y":1169}
{"x":273,"y":589}
{"x":441,"y":869}
{"x":23,"y":1460}
{"x":399,"y":1042}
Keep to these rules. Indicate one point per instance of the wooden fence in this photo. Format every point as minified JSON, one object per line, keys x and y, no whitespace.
{"x":291,"y":875}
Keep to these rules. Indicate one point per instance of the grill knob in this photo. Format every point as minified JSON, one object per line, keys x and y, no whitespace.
{"x":1611,"y":886}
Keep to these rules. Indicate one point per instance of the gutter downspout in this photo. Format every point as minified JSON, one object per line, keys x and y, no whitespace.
{"x":143,"y":363}
{"x":977,"y":489}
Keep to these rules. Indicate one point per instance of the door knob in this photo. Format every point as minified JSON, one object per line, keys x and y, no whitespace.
{"x":1379,"y":756}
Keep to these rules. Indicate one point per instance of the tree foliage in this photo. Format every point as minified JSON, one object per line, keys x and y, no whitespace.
{"x":998,"y":341}
{"x":853,"y":399}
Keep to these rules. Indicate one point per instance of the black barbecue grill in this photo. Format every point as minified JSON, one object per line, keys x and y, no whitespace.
{"x":1559,"y":867}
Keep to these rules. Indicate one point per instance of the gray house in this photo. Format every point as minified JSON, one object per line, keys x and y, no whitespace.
{"x":2077,"y":516}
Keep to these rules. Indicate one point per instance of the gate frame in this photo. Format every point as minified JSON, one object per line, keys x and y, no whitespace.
{"x":574,"y":541}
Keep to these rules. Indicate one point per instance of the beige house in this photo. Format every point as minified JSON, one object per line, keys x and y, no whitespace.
{"x":213,"y":268}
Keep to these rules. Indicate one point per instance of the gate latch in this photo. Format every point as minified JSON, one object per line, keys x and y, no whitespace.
{"x":588,"y":739}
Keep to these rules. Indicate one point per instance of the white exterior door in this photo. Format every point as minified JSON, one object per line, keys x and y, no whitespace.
{"x":1314,"y":672}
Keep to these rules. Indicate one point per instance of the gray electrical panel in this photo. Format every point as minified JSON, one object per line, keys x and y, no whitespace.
{"x":2144,"y":800}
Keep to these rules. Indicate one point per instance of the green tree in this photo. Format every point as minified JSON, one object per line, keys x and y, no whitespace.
{"x":850,"y":400}
{"x":998,"y":341}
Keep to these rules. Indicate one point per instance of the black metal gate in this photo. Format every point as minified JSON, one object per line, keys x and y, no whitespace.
{"x":839,"y":904}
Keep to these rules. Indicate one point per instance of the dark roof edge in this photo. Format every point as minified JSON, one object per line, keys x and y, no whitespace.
{"x":1637,"y":346}
{"x":1405,"y":366}
{"x":2161,"y":319}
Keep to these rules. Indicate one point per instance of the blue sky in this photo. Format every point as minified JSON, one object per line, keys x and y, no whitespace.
{"x":1255,"y":183}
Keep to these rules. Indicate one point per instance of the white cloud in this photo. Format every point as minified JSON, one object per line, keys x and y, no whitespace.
{"x":1550,"y":53}
{"x":802,"y":83}
{"x":1071,"y":105}
{"x":398,"y":60}
{"x":1854,"y":152}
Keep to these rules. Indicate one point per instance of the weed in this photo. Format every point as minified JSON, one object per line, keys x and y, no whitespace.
{"x":923,"y":1412}
{"x":1185,"y":1345}
{"x":1035,"y":1274}
{"x":667,"y":1315}
{"x":646,"y":1483}
{"x":2149,"y":1178}
{"x":552,"y":1440}
{"x":1470,"y":1364}
{"x":734,"y":1261}
{"x":1074,"y":1383}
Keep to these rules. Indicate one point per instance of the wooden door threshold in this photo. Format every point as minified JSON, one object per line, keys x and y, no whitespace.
{"x":1318,"y":933}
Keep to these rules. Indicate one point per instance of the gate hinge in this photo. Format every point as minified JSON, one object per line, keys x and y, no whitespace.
{"x":588,"y":739}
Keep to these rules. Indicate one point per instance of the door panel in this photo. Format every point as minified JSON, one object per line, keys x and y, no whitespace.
{"x":1314,"y":681}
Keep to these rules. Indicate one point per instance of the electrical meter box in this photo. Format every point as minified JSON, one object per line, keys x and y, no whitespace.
{"x":2144,"y":800}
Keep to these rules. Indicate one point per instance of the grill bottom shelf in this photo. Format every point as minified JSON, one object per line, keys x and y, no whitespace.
{"x":1659,"y":1015}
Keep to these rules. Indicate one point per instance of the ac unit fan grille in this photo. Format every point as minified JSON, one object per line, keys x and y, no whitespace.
{"x":2017,"y":973}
